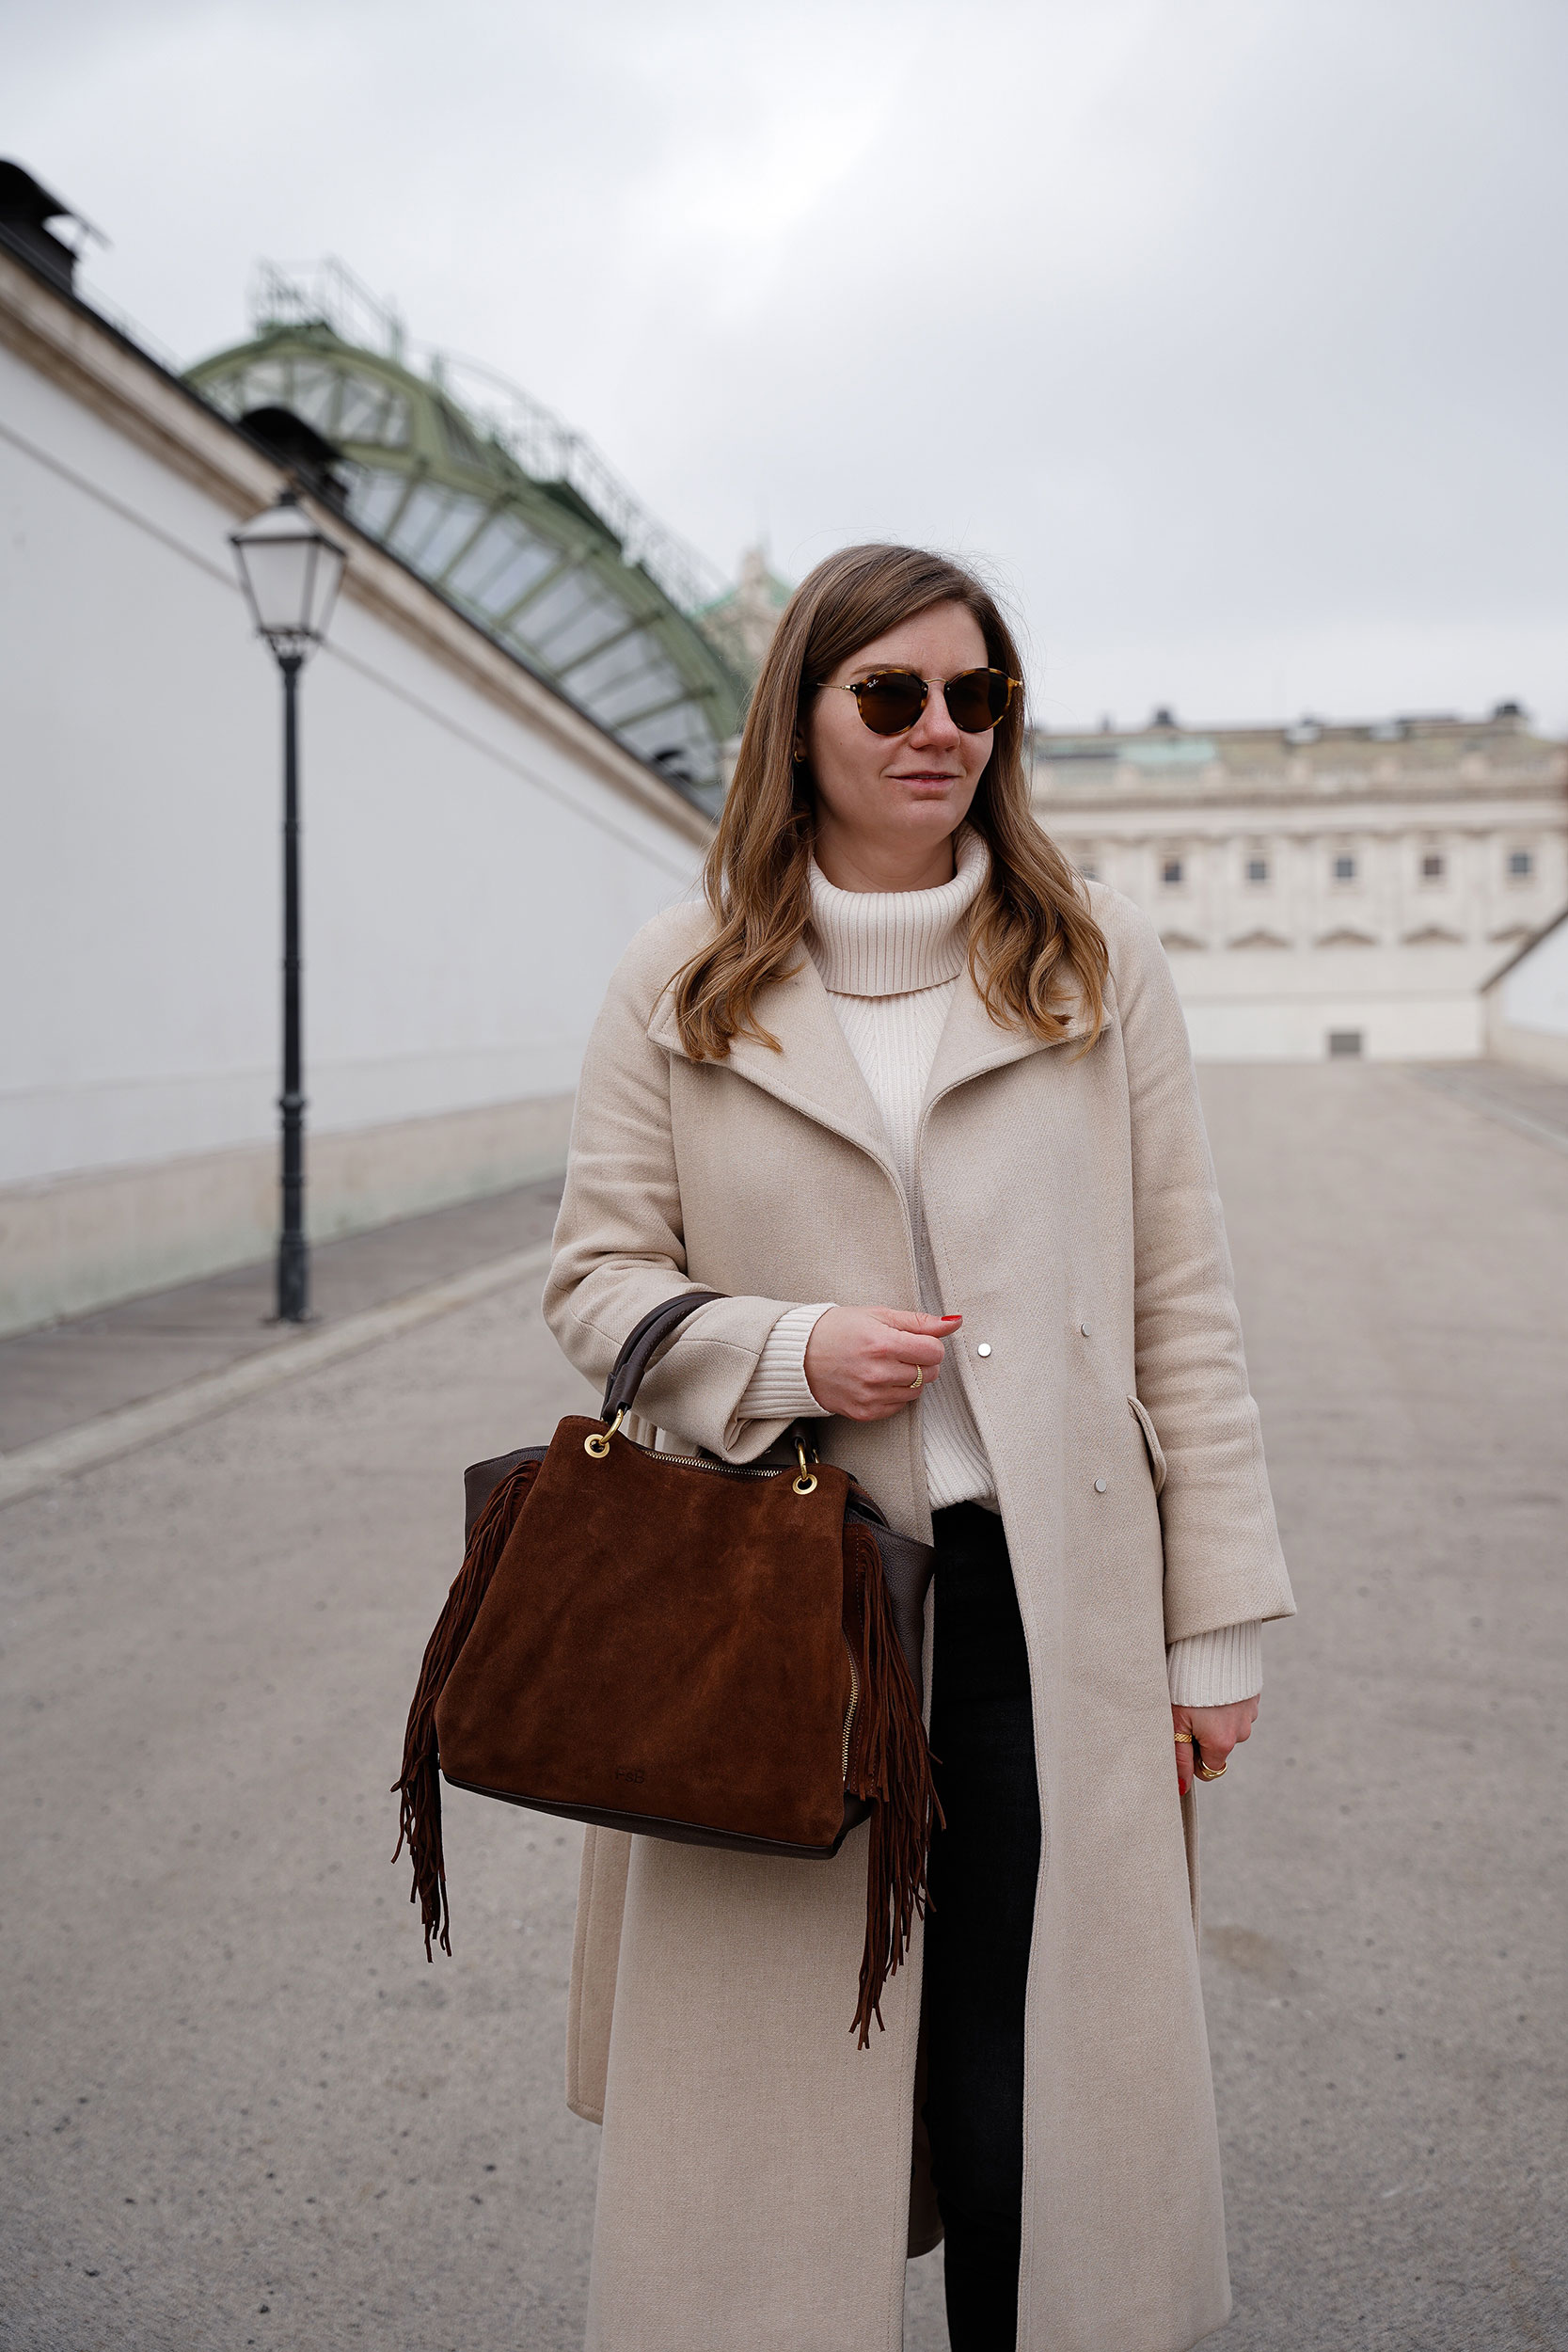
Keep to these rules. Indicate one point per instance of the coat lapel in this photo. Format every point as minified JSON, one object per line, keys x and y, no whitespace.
{"x":816,"y":1073}
{"x":972,"y":1043}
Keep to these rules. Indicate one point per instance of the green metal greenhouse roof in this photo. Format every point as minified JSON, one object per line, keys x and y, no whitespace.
{"x":530,"y":555}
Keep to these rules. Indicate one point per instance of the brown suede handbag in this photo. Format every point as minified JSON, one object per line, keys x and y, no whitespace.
{"x":720,"y":1654}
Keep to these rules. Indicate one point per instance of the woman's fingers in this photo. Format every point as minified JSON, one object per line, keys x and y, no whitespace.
{"x":912,"y":1340}
{"x":912,"y":1348}
{"x":862,"y":1361}
{"x":1217,"y":1730}
{"x":900,"y":1345}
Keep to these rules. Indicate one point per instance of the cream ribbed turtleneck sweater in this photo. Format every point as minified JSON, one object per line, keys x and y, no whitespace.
{"x":891,"y":961}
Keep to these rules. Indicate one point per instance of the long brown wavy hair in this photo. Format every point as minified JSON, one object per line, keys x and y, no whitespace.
{"x":1031,"y":932}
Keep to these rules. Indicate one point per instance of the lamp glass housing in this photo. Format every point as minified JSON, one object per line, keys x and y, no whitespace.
{"x":289,"y":572}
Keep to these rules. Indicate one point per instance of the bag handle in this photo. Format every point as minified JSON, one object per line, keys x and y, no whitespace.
{"x":642,"y":1345}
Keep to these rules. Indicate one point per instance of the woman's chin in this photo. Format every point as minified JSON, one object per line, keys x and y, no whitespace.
{"x":931,"y":807}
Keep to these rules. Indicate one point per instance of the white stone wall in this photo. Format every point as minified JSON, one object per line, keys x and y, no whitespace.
{"x":1527,"y":1006}
{"x":1534,"y":993}
{"x":470,"y":873}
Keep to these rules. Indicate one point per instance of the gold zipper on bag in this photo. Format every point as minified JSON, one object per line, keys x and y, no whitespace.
{"x":720,"y":1469}
{"x":597,"y":1444}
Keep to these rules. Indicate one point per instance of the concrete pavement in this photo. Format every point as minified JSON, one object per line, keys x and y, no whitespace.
{"x":238,"y":2107}
{"x":69,"y":1373}
{"x":1384,"y":1890}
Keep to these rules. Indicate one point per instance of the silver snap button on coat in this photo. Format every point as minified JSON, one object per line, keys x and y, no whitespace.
{"x":984,"y":1348}
{"x":1085,"y":1328}
{"x":1099,"y":1486}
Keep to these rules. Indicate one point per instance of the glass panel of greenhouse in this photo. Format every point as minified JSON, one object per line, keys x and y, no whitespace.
{"x":522,"y":527}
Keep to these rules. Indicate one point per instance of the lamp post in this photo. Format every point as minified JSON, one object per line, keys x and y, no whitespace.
{"x":289,"y":572}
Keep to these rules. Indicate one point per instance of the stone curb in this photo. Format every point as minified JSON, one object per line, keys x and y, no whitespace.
{"x":104,"y":1440}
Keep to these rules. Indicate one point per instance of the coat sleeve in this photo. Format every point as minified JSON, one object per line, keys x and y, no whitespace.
{"x":620,"y":1243}
{"x":1222,"y":1560}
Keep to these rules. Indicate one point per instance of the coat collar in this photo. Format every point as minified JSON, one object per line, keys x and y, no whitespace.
{"x":816,"y":1075}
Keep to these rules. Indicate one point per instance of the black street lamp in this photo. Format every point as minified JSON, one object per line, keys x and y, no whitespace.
{"x":289,"y":573}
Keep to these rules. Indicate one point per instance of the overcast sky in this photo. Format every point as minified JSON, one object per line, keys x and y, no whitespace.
{"x":1230,"y":334}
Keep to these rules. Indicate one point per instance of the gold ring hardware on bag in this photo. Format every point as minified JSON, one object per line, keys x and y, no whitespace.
{"x":805,"y":1484}
{"x":598,"y":1442}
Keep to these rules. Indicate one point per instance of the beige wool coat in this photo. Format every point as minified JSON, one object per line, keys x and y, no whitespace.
{"x":761,"y":2179}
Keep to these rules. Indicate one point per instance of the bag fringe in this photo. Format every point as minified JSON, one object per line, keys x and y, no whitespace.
{"x":890,"y":1765}
{"x":420,"y":1785}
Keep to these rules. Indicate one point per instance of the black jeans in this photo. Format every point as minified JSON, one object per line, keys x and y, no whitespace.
{"x":983,"y":1866}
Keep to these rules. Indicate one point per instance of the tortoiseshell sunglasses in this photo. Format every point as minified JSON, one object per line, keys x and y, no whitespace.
{"x":891,"y":701}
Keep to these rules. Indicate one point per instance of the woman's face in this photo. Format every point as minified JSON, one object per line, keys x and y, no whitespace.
{"x":899,"y":796}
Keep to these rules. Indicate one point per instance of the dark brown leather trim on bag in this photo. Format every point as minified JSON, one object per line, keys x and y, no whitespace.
{"x":720,"y":1654}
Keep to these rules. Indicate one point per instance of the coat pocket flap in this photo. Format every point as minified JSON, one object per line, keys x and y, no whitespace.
{"x":1156,"y":1450}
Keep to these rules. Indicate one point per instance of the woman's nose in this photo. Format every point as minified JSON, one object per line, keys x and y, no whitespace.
{"x":934,"y":726}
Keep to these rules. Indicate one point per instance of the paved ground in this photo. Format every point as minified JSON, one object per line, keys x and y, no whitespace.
{"x":1384,"y":1889}
{"x":238,"y":2108}
{"x":68,"y":1372}
{"x":1527,"y":1100}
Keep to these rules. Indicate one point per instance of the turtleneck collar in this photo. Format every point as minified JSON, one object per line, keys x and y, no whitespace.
{"x":877,"y":943}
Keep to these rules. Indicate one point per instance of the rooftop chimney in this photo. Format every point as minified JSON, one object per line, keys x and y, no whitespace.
{"x":24,"y":210}
{"x":297,"y":445}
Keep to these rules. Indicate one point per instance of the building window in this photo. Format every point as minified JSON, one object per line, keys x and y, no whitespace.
{"x":1521,"y":865}
{"x":1170,"y":872}
{"x":1257,"y":869}
{"x":1344,"y":871}
{"x":1432,"y":866}
{"x":1344,"y":1045}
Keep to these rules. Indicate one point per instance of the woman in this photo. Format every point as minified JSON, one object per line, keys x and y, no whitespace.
{"x":919,"y":1102}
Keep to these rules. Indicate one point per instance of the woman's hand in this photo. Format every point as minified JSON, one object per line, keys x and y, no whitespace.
{"x":861,"y":1362}
{"x":1215,"y":1731}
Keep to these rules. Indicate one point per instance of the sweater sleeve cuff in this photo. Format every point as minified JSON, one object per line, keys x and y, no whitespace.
{"x":778,"y":1389}
{"x":1216,"y":1669}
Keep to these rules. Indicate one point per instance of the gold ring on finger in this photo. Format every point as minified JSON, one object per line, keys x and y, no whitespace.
{"x":919,"y":1380}
{"x":1183,"y":1738}
{"x":1211,"y":1771}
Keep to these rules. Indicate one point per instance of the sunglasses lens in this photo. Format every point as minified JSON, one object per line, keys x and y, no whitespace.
{"x":976,"y":700}
{"x":891,"y":701}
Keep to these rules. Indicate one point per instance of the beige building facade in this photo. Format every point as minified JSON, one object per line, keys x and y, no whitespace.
{"x":1323,"y":890}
